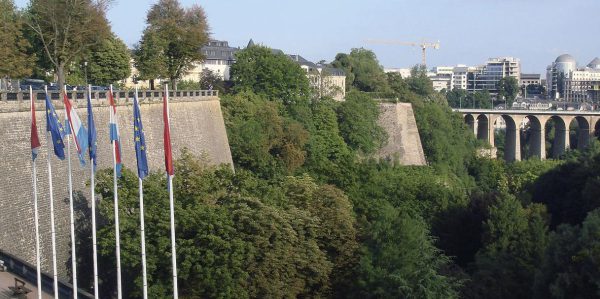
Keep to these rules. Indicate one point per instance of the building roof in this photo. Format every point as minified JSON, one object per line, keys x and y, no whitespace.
{"x":594,"y":64}
{"x":565,"y":58}
{"x":219,"y":50}
{"x":531,"y":76}
{"x":302,"y":61}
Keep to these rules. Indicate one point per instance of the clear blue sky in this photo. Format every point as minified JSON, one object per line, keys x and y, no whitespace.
{"x":470,"y":31}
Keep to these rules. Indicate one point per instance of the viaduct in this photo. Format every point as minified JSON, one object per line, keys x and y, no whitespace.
{"x":483,"y":122}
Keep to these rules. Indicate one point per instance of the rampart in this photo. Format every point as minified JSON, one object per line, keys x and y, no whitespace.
{"x":404,"y":144}
{"x":196,"y":123}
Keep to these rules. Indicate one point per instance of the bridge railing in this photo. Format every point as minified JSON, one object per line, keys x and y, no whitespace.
{"x":103,"y":94}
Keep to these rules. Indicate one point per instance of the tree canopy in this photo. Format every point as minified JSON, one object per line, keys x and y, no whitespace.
{"x":272,"y":74}
{"x":362,"y":70}
{"x":68,"y":29}
{"x":14,"y":47}
{"x":171,"y":43}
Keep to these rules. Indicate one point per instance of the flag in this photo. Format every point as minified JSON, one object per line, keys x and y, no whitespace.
{"x":93,"y":143}
{"x":77,"y":130}
{"x":114,"y":133}
{"x":140,"y":142}
{"x":55,"y":128}
{"x":167,"y":136}
{"x":35,"y":139}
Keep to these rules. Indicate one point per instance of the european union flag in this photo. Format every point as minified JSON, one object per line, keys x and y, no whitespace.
{"x":91,"y":132}
{"x":140,"y":142}
{"x":55,"y":128}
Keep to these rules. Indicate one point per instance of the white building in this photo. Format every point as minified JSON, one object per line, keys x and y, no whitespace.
{"x":404,"y":72}
{"x":219,"y":57}
{"x":572,"y":84}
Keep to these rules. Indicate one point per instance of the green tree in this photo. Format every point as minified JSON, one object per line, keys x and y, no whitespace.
{"x":357,"y":117}
{"x":274,"y":75}
{"x":148,"y":58}
{"x":175,"y":34}
{"x":261,"y":139}
{"x":508,"y":89}
{"x":400,"y":260}
{"x":68,"y":29}
{"x":109,"y":62}
{"x":515,"y":239}
{"x":571,"y":264}
{"x":209,"y":80}
{"x":362,"y":70}
{"x":15,"y":62}
{"x":457,"y":98}
{"x":419,"y":83}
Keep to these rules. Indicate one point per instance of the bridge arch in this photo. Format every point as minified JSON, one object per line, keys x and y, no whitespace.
{"x":512,"y":148}
{"x":579,"y":132}
{"x":470,"y":121}
{"x":560,"y":141}
{"x":533,"y":137}
{"x":483,"y":127}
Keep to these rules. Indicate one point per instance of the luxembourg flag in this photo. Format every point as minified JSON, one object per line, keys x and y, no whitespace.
{"x":79,"y":133}
{"x":114,"y":132}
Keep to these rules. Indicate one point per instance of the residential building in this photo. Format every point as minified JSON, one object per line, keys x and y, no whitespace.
{"x":218,"y":58}
{"x":324,"y":79}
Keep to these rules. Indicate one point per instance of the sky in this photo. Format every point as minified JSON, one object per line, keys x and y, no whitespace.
{"x":469,"y":31}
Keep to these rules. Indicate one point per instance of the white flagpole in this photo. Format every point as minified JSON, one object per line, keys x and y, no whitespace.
{"x":36,"y":216}
{"x":116,"y":206}
{"x":94,"y":241}
{"x":71,"y":212}
{"x":52,"y":225}
{"x":173,"y":249}
{"x":172,"y":208}
{"x":142,"y":232}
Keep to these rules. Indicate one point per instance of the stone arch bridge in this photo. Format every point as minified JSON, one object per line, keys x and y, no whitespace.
{"x":483,"y":122}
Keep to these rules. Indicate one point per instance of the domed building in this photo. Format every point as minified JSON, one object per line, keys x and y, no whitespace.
{"x":594,"y":64}
{"x":565,"y":64}
{"x":567,"y":82}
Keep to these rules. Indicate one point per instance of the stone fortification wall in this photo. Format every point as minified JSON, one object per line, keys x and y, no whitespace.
{"x":404,"y":143}
{"x":196,"y":124}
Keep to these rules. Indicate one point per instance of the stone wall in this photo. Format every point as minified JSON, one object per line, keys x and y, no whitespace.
{"x":404,"y":143}
{"x":196,"y":124}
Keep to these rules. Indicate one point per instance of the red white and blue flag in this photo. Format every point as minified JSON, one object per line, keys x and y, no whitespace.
{"x":35,"y":139}
{"x":114,"y":133}
{"x":78,"y":131}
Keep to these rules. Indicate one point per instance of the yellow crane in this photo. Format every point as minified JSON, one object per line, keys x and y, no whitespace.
{"x":423,"y":45}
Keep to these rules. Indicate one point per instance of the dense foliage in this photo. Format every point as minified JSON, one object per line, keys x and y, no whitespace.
{"x":310,"y":212}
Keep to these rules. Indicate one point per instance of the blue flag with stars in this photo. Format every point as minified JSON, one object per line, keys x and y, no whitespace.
{"x":91,"y":132}
{"x":55,"y":128}
{"x":140,"y":142}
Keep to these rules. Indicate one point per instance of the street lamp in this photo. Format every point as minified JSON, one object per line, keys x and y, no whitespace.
{"x":85,"y":72}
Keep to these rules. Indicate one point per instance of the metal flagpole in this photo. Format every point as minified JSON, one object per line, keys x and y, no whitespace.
{"x":71,"y":212}
{"x":35,"y":212}
{"x":37,"y":233}
{"x":142,"y":232}
{"x":173,"y":251}
{"x":94,"y":241}
{"x":116,"y":200}
{"x":52,"y":225}
{"x":172,"y":207}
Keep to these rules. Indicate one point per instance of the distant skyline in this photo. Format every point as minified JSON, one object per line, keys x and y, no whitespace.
{"x":470,"y":31}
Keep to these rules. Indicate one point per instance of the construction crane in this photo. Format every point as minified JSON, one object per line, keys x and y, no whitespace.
{"x":423,"y":45}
